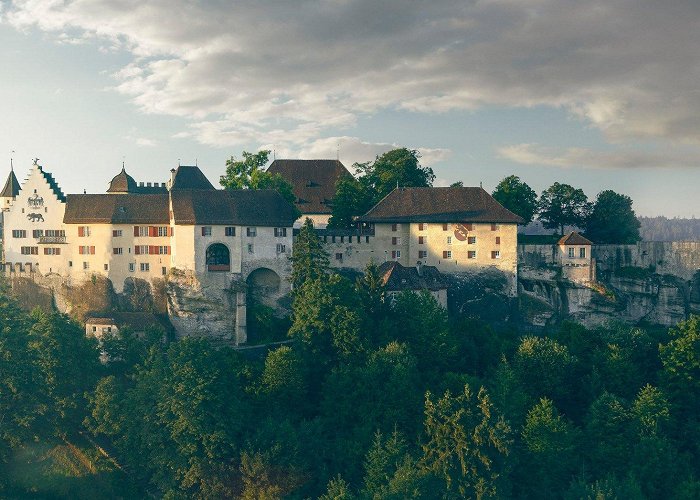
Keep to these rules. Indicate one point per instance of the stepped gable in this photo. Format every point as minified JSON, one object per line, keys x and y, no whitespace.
{"x":12,"y":187}
{"x":397,"y":277}
{"x":440,"y":204}
{"x":242,"y":207}
{"x":313,"y":182}
{"x":116,"y":209}
{"x":53,"y":185}
{"x":573,"y":238}
{"x":190,"y":177}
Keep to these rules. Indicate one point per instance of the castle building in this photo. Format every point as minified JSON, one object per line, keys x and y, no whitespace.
{"x":313,"y":183}
{"x":459,"y":230}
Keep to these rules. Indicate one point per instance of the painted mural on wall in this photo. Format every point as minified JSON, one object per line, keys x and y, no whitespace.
{"x":35,"y":217}
{"x":35,"y":201}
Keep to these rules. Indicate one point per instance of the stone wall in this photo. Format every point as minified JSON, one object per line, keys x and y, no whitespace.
{"x":677,"y":258}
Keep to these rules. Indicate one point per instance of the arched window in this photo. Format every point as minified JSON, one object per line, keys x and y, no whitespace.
{"x":218,"y":258}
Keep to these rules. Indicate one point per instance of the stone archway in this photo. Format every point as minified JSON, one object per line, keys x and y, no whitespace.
{"x":218,"y":258}
{"x":264,"y":284}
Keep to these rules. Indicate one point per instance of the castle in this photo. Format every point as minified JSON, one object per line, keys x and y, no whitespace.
{"x":189,"y":237}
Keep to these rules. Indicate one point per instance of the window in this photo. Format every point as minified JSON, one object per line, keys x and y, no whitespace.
{"x":38,"y":233}
{"x":140,"y":230}
{"x":162,"y":231}
{"x":86,"y":250}
{"x":19,"y":233}
{"x":498,"y":240}
{"x":131,"y":267}
{"x":471,"y":254}
{"x":29,"y":250}
{"x":582,"y":252}
{"x":117,"y":251}
{"x":70,"y":263}
{"x":83,"y":231}
{"x":206,"y":230}
{"x":495,"y":254}
{"x":280,"y":232}
{"x":495,"y":227}
{"x":141,"y":249}
{"x":106,"y":267}
{"x":52,"y":251}
{"x":422,"y":254}
{"x":251,"y":232}
{"x":421,"y":227}
{"x":571,"y":252}
{"x":145,"y":267}
{"x":395,"y":227}
{"x":447,"y":254}
{"x":421,"y":240}
{"x":339,"y":256}
{"x":444,"y":227}
{"x":396,"y":254}
{"x":395,"y":241}
{"x":251,"y":248}
{"x":86,"y":266}
{"x":471,"y":240}
{"x":117,"y":233}
{"x":164,"y":270}
{"x":449,"y":240}
{"x":230,"y":231}
{"x":52,"y":233}
{"x":281,"y":248}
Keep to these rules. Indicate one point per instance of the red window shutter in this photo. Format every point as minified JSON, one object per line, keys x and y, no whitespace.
{"x":498,"y":240}
{"x":393,"y":254}
{"x":444,"y":227}
{"x":46,"y":251}
{"x":92,"y":250}
{"x":444,"y":254}
{"x":167,"y":250}
{"x":137,"y":250}
{"x":393,"y":227}
{"x":493,"y":227}
{"x":58,"y":251}
{"x":393,"y":240}
{"x":81,"y":231}
{"x":136,"y":230}
{"x":493,"y":254}
{"x":170,"y":231}
{"x":203,"y":232}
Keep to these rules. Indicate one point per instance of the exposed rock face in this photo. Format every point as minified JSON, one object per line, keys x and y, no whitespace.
{"x":482,"y":294}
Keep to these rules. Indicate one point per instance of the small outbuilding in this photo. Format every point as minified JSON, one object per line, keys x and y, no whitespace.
{"x":398,"y":278}
{"x":574,"y":253}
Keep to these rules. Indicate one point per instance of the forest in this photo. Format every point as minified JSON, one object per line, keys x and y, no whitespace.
{"x":370,"y":399}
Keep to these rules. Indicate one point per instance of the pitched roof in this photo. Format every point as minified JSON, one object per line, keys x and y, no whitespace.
{"x":440,"y":204}
{"x":398,"y":278}
{"x":12,"y":187}
{"x":189,"y":177}
{"x":313,"y":182}
{"x":117,"y":209}
{"x":122,"y":183}
{"x":264,"y":207}
{"x":573,"y":238}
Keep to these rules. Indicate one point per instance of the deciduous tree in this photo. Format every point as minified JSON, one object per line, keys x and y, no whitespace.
{"x":562,"y":205}
{"x":612,"y":219}
{"x":517,"y":197}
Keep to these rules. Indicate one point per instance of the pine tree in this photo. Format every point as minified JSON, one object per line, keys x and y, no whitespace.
{"x":309,"y":258}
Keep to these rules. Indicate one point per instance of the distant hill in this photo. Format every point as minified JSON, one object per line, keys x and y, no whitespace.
{"x":665,"y":229}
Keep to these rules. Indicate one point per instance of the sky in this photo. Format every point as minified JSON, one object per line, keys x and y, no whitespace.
{"x":602,"y":94}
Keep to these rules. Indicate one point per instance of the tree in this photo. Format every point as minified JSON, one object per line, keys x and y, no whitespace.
{"x":612,"y":219}
{"x":562,"y":205}
{"x":248,"y":173}
{"x":351,"y":198}
{"x":517,"y":197}
{"x":467,"y":443}
{"x":609,"y":433}
{"x":309,"y":258}
{"x":550,"y":454}
{"x":544,"y":368}
{"x":396,"y":167}
{"x":681,"y":363}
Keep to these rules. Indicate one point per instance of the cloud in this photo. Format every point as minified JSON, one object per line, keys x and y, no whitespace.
{"x":295,"y":71}
{"x":535,"y":154}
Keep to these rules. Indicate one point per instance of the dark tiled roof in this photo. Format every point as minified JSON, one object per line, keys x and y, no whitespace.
{"x":265,"y":207}
{"x":122,"y":183}
{"x":398,"y":278}
{"x":573,"y":238}
{"x":188,"y":177}
{"x":117,"y":209}
{"x":313,"y":182}
{"x":53,"y":185}
{"x":12,"y":186}
{"x":440,"y":204}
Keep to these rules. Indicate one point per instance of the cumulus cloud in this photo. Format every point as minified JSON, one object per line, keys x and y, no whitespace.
{"x":535,"y":154}
{"x":296,"y":71}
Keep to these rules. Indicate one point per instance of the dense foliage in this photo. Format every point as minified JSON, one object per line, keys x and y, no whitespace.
{"x":612,"y":219}
{"x":517,"y":197}
{"x":665,"y":229}
{"x":563,"y":205}
{"x":356,"y":195}
{"x":372,"y":398}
